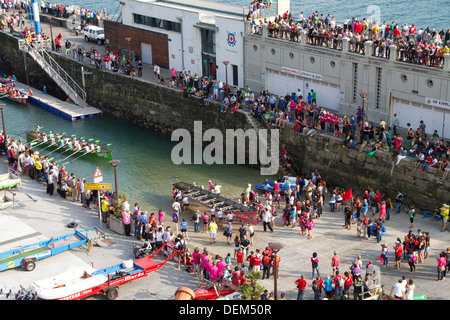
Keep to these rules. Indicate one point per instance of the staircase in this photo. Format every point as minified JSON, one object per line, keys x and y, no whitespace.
{"x":261,"y":124}
{"x":54,"y":70}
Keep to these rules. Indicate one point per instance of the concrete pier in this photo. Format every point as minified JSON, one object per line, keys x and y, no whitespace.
{"x":65,"y":109}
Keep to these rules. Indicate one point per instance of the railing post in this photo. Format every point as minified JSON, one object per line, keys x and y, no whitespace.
{"x":446,"y":61}
{"x":302,"y":37}
{"x":368,"y":50}
{"x":345,"y":44}
{"x":393,"y":52}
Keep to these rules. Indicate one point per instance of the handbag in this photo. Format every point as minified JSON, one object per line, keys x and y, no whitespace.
{"x":442,"y":268}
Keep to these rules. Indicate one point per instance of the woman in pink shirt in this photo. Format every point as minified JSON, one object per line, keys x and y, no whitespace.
{"x":383,"y":210}
{"x":213,"y":271}
{"x":126,"y":219}
{"x":441,"y":266}
{"x":196,"y":259}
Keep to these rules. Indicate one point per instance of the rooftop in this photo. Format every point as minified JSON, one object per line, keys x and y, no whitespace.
{"x":215,"y":8}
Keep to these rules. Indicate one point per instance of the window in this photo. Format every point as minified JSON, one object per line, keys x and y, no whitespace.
{"x":208,"y":41}
{"x":157,"y":23}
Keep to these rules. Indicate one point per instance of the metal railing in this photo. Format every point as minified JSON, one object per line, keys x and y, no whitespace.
{"x":45,"y":60}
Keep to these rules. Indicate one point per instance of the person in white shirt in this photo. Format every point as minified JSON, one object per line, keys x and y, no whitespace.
{"x":267,"y":219}
{"x":398,"y":290}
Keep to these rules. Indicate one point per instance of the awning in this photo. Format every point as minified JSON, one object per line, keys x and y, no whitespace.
{"x":206,"y":26}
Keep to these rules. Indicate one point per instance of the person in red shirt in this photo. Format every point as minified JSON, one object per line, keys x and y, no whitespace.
{"x":257,"y":264}
{"x":398,"y":252}
{"x":412,"y":32}
{"x":301,"y":286}
{"x":267,"y":263}
{"x":348,"y":282}
{"x":317,"y":287}
{"x":338,"y":285}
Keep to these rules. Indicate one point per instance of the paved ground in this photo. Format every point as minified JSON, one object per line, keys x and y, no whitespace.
{"x":32,"y":221}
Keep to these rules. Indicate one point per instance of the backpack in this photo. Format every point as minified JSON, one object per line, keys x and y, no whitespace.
{"x":194,"y":217}
{"x":315,"y":286}
{"x":340,"y":282}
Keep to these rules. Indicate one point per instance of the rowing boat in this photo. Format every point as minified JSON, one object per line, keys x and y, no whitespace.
{"x":23,"y":99}
{"x":201,"y":199}
{"x":104,"y":153}
{"x":6,"y":91}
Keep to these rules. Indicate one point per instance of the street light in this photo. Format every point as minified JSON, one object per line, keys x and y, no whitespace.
{"x":114,"y":163}
{"x":51,"y":33}
{"x":226,"y":63}
{"x":275,"y":248}
{"x":3,"y":120}
{"x":129,"y":48}
{"x":363,"y":95}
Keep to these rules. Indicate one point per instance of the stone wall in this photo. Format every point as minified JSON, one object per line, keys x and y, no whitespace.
{"x":352,"y":169}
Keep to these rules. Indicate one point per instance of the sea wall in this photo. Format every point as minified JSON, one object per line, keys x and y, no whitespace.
{"x":353,"y":169}
{"x":163,"y":110}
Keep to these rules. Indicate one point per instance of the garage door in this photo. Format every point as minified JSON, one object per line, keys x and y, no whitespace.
{"x":328,"y":95}
{"x":281,"y":84}
{"x":434,"y":118}
{"x":146,"y":53}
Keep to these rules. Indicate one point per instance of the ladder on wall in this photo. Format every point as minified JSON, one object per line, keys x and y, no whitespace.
{"x":55,"y":71}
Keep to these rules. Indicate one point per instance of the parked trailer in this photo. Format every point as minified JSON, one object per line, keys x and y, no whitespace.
{"x":27,"y":256}
{"x":85,"y":282}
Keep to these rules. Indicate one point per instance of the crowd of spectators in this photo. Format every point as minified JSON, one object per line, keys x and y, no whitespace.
{"x":420,"y":46}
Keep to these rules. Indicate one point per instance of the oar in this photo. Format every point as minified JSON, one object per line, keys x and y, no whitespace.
{"x":69,"y":155}
{"x":56,"y":149}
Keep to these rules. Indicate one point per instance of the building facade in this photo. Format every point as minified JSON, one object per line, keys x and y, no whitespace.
{"x":198,"y":36}
{"x":339,"y":77}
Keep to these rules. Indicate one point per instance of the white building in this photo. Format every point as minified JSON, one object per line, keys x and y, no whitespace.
{"x":201,"y":35}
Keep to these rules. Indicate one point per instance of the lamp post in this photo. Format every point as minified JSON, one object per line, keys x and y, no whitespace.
{"x":363,"y":95}
{"x":3,"y":120}
{"x":276,"y":247}
{"x":114,"y":163}
{"x":226,"y":63}
{"x":51,"y":33}
{"x":129,"y":47}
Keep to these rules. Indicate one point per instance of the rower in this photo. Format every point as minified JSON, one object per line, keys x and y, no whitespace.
{"x":91,"y":147}
{"x":86,"y":149}
{"x":45,"y":138}
{"x":99,"y":149}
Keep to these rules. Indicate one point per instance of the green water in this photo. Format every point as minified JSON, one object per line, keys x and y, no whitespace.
{"x":145,"y":168}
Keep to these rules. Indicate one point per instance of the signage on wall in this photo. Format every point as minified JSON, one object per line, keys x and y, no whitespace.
{"x":231,"y":38}
{"x":300,"y":73}
{"x":437,"y":103}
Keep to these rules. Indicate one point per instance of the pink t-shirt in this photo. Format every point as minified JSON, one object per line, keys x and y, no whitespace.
{"x":160,"y":216}
{"x":196,"y":257}
{"x":126,"y":217}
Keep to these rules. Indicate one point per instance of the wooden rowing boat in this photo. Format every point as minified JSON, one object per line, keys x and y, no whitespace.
{"x":105,"y":153}
{"x":23,"y":99}
{"x":6,"y":91}
{"x":201,"y":199}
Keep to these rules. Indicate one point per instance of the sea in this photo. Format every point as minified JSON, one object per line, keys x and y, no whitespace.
{"x":421,"y":13}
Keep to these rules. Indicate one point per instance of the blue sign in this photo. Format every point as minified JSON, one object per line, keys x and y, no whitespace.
{"x":175,"y":217}
{"x":231,"y":39}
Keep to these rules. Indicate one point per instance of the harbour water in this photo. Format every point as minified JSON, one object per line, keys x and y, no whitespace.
{"x":146,"y":168}
{"x":423,"y":13}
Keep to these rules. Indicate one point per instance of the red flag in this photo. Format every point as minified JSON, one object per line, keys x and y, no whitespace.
{"x":347,"y":196}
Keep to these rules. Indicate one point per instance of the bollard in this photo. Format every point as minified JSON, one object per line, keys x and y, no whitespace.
{"x":184,"y":293}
